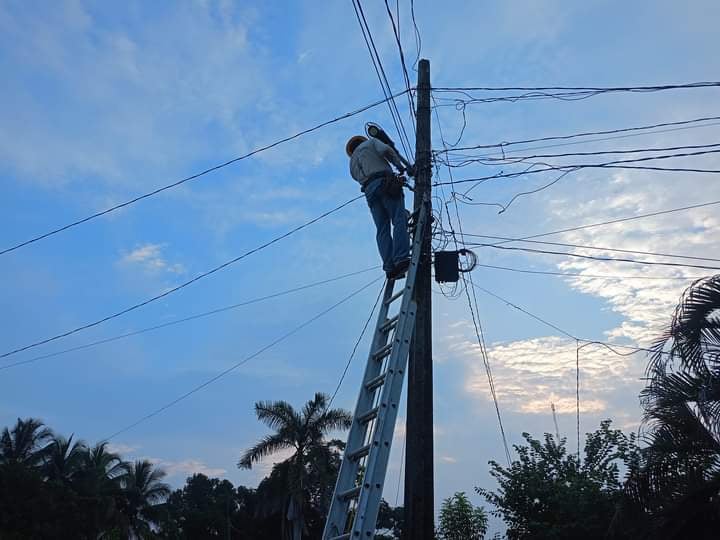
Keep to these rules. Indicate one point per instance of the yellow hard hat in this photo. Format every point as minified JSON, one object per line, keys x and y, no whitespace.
{"x":353,"y":143}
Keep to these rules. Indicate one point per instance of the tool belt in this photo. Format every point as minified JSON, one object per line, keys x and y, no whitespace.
{"x":392,"y":184}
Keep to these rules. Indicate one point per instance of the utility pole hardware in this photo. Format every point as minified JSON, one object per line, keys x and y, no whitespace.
{"x":419,"y":470}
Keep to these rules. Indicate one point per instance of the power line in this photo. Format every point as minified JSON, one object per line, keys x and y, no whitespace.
{"x":520,"y":159}
{"x":197,"y":175}
{"x":491,"y":382}
{"x":186,"y":319}
{"x":504,"y":151}
{"x":577,"y":88}
{"x":581,"y":275}
{"x":597,"y":248}
{"x":418,"y":37}
{"x":182,"y":285}
{"x":408,"y":85}
{"x":238,"y":364}
{"x":617,"y":164}
{"x":596,"y":258}
{"x":503,"y":145}
{"x":355,"y":347}
{"x":609,"y":346}
{"x":476,"y":323}
{"x":615,"y":221}
{"x":380,"y":71}
{"x":574,"y":94}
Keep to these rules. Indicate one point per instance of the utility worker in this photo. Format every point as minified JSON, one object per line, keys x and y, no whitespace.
{"x":370,"y":161}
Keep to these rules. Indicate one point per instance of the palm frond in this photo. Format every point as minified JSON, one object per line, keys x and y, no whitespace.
{"x":265,"y":447}
{"x":276,"y":414}
{"x":334,"y":419}
{"x":314,"y":408}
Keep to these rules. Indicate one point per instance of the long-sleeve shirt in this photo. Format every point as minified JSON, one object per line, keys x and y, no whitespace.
{"x":372,"y":157}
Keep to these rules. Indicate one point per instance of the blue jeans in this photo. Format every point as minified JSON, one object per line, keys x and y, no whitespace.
{"x":386,"y":210}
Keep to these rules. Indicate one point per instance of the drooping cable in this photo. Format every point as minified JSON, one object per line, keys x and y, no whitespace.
{"x":615,"y":221}
{"x":583,"y":275}
{"x":504,"y":145}
{"x":197,"y":175}
{"x":237,"y":364}
{"x":380,"y":71}
{"x":184,"y":319}
{"x":355,"y":347}
{"x":182,"y":285}
{"x":596,"y":248}
{"x":476,"y":323}
{"x":408,"y":85}
{"x":577,"y":396}
{"x":560,"y":93}
{"x":612,"y":347}
{"x":597,"y":258}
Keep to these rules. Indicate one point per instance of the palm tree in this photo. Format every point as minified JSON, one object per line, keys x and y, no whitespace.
{"x":143,"y":491}
{"x":25,"y":444}
{"x":304,"y":433}
{"x":675,"y":481}
{"x":99,"y":484}
{"x":64,"y":459}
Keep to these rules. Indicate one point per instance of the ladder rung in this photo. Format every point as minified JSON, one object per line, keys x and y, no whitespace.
{"x":370,"y":415}
{"x":345,"y":536}
{"x":389,"y":324}
{"x":350,"y":493}
{"x":360,"y":452}
{"x":375,"y":382}
{"x":383,"y":351}
{"x":394,"y":297}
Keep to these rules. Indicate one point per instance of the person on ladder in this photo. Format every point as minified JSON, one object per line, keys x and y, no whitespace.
{"x":370,"y":161}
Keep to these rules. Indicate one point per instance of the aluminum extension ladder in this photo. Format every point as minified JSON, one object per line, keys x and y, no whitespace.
{"x":356,"y":499}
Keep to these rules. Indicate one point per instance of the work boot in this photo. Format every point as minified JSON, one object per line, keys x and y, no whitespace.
{"x":400,"y":269}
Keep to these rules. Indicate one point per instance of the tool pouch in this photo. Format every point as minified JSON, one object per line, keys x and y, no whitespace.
{"x":393,"y":185}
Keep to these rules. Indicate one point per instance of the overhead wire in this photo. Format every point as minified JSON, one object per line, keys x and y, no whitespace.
{"x":380,"y":71}
{"x":182,"y":285}
{"x":418,"y":37}
{"x":656,"y":88}
{"x":408,"y":85}
{"x":483,"y":350}
{"x":616,"y":164}
{"x":503,"y":151}
{"x":475,"y":319}
{"x":185,"y":319}
{"x":238,"y":364}
{"x":614,"y":221}
{"x":355,"y":347}
{"x":597,"y":248}
{"x":560,"y":93}
{"x":612,"y":347}
{"x":503,"y":145}
{"x":528,"y":158}
{"x":583,"y":275}
{"x":196,"y":175}
{"x":594,"y":257}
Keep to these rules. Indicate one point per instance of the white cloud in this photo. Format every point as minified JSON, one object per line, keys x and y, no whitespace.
{"x":188,"y":467}
{"x":150,"y":258}
{"x":530,"y":374}
{"x":122,"y":449}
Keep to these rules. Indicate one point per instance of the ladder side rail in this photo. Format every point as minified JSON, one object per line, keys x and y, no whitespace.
{"x":376,"y":466}
{"x":337,"y":513}
{"x":337,"y":516}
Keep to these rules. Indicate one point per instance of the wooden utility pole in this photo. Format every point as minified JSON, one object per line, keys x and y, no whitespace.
{"x":419,"y":478}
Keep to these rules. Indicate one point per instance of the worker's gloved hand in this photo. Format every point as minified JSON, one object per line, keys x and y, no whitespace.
{"x":411,"y":170}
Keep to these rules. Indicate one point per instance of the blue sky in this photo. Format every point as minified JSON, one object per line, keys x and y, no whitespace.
{"x":102,"y":102}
